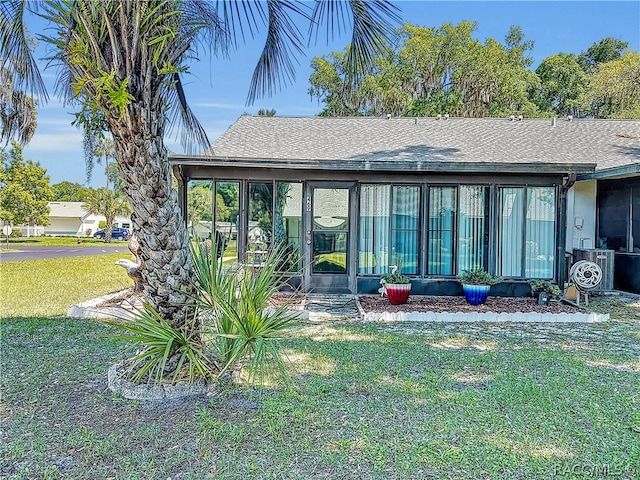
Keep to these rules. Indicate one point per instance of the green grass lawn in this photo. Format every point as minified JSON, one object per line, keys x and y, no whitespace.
{"x":364,"y":401}
{"x":47,"y":287}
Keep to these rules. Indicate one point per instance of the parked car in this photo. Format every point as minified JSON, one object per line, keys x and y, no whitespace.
{"x":116,"y":234}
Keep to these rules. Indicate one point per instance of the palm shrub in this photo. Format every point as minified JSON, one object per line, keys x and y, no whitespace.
{"x":167,"y":353}
{"x":235,"y":303}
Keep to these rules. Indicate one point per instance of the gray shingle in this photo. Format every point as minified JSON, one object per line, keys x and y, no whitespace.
{"x":429,"y":141}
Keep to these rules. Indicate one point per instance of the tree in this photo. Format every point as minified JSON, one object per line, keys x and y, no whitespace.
{"x":70,"y":192}
{"x":430,"y":71}
{"x":17,"y":110}
{"x":614,"y":89}
{"x":264,"y":112}
{"x":24,"y":189}
{"x":126,"y":58}
{"x":110,"y":204}
{"x":607,"y":50}
{"x":562,"y":85}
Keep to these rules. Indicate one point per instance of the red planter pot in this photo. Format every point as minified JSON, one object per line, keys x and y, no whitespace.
{"x":398,"y":293}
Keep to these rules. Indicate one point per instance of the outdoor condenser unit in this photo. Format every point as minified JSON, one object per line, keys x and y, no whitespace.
{"x":604,"y":259}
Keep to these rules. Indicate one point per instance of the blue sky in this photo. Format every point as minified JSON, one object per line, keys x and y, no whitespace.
{"x":217,"y":89}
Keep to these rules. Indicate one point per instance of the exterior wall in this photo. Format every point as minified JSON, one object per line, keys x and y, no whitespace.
{"x":581,"y":215}
{"x":64,"y":226}
{"x":423,"y":282}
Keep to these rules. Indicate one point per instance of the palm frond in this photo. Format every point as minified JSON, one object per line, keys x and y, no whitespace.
{"x":15,"y":48}
{"x":181,"y":117}
{"x":372,"y":22}
{"x":160,"y":342}
{"x":236,"y":303}
{"x":275,"y":68}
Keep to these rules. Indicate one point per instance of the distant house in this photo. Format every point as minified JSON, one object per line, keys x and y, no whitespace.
{"x":70,"y":218}
{"x":350,"y":197}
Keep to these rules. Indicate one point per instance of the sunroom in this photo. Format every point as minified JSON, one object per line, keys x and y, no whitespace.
{"x":348,"y":198}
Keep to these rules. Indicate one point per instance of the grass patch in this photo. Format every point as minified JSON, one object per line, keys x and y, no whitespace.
{"x":16,"y":242}
{"x":374,"y":401}
{"x":47,"y":287}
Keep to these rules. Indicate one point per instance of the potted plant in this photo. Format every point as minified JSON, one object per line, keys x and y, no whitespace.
{"x":545,"y":290}
{"x":476,"y":283}
{"x":396,"y":285}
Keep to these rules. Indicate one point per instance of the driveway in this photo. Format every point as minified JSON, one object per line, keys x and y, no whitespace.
{"x":36,"y":252}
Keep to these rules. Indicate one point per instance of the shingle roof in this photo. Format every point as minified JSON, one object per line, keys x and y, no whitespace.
{"x":430,"y":143}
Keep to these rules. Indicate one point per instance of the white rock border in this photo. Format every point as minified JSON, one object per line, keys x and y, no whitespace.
{"x":153,"y":392}
{"x":518,"y":317}
{"x":89,"y":308}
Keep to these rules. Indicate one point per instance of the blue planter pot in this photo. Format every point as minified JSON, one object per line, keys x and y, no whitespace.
{"x":476,"y":294}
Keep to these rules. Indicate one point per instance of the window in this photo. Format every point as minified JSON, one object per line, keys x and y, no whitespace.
{"x":458,"y":229}
{"x":442,"y":208}
{"x":226,"y":216}
{"x":274,"y":218}
{"x":199,"y":209}
{"x":389,"y":228}
{"x":526,"y":232}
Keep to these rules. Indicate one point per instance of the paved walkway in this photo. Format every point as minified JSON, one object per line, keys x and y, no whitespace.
{"x":331,"y":307}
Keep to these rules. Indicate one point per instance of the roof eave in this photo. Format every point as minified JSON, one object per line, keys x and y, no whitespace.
{"x":384,"y":165}
{"x":625,"y":171}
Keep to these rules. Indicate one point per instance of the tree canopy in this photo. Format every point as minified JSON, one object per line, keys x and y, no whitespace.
{"x":70,"y":192}
{"x":24,"y":189}
{"x":429,"y":71}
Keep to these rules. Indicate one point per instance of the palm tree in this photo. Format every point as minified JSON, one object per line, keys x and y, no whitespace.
{"x":110,"y":204}
{"x":126,"y":58}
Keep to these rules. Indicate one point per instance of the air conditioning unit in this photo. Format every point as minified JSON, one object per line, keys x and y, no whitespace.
{"x":605,"y":259}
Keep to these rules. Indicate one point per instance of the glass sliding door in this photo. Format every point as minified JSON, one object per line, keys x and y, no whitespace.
{"x":526,"y":232}
{"x":373,"y":238}
{"x":540,"y":230}
{"x":405,"y":228}
{"x":473,"y":222}
{"x":510,"y":231}
{"x":442,"y":223}
{"x":388,"y":229}
{"x":227,"y":203}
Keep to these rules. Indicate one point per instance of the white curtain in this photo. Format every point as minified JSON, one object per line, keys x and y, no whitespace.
{"x":472,"y":226}
{"x":374,"y":229}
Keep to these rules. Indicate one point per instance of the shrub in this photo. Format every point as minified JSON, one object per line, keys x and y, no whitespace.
{"x":15,"y":233}
{"x":166,"y":353}
{"x":478,"y":276}
{"x":235,"y":302}
{"x":544,"y":286}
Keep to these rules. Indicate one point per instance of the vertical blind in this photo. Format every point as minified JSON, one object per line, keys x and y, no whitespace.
{"x":526,"y":232}
{"x":473,"y":219}
{"x":389,"y":228}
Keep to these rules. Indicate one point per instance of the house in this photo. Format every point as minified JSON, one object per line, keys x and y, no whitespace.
{"x":70,"y":218}
{"x":351,"y":197}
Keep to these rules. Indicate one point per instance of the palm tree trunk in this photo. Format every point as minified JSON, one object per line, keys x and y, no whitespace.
{"x":157,"y":219}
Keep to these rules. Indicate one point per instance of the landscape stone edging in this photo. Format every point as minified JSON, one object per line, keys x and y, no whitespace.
{"x":522,"y":317}
{"x":153,"y":392}
{"x":88,"y":309}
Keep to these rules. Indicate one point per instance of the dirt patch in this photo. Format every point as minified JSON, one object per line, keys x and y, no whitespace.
{"x":459,"y":304}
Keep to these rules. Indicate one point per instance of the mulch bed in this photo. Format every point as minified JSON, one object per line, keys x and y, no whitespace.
{"x":418,"y":303}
